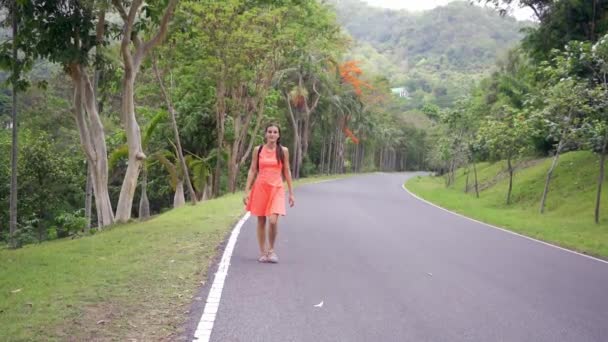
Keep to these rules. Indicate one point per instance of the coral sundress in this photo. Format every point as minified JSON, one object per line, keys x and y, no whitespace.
{"x":267,"y":195}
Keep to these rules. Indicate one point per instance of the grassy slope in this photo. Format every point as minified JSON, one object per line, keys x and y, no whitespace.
{"x":134,"y":281}
{"x":568,"y":220}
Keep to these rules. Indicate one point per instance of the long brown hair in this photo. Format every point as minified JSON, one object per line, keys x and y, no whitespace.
{"x":279,"y":149}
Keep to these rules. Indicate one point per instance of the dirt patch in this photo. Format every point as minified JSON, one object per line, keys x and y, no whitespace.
{"x":92,"y":324}
{"x":146,"y":321}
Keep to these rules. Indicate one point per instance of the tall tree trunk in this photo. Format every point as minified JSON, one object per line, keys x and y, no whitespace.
{"x":88,"y":197}
{"x":178,"y":143}
{"x":179,"y":199}
{"x":322,"y":161}
{"x":476,"y":184}
{"x":233,"y":169}
{"x":296,"y":135}
{"x":206,"y":190}
{"x":136,"y":154}
{"x":362,"y":158}
{"x":14,"y":150}
{"x":242,"y":145}
{"x":549,"y":174}
{"x":144,"y":203}
{"x":100,"y":167}
{"x":305,"y":136}
{"x":600,"y":180}
{"x":92,"y":139}
{"x":299,"y":158}
{"x":132,"y":62}
{"x":330,"y":153}
{"x":309,"y":108}
{"x":220,"y":112}
{"x":340,"y":150}
{"x":356,"y":154}
{"x":510,"y":166}
{"x":466,"y":184}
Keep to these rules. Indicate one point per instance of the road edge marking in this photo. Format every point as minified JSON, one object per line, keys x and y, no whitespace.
{"x":503,"y":229}
{"x":205,"y":325}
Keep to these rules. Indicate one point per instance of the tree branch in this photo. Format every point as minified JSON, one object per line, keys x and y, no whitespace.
{"x":120,"y":9}
{"x":162,"y":31}
{"x":535,"y":11}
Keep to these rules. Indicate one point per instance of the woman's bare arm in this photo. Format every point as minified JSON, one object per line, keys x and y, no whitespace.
{"x":287,"y":174}
{"x":253,"y":171}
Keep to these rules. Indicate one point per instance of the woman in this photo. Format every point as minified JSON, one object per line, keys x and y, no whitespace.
{"x":269,"y":164}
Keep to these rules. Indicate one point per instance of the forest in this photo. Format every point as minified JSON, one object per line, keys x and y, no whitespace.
{"x":116,"y":111}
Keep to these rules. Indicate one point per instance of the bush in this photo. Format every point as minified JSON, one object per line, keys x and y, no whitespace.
{"x":70,"y":223}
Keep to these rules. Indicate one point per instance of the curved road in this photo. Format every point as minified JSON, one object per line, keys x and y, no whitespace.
{"x":389,"y":267}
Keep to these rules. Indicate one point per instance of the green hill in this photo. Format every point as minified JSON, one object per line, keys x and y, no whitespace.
{"x":437,"y":55}
{"x":568,"y":220}
{"x":460,"y":36}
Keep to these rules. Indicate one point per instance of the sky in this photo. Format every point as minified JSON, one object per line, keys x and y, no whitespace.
{"x":421,"y":5}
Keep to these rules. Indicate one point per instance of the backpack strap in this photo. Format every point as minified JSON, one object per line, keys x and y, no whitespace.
{"x":259,"y":151}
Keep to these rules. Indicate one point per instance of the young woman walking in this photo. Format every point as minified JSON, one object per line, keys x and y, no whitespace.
{"x":266,"y":199}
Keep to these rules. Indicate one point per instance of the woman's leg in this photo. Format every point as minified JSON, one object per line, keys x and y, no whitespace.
{"x":272,"y":233}
{"x":272,"y":236}
{"x":262,"y":234}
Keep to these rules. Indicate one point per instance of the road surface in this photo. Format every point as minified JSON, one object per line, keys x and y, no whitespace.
{"x":389,"y":267}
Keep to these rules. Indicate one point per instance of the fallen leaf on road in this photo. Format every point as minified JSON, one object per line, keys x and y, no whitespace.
{"x":429,"y":274}
{"x":320,"y":305}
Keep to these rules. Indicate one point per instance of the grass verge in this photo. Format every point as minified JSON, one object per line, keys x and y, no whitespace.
{"x":128,"y":282}
{"x":568,"y":220}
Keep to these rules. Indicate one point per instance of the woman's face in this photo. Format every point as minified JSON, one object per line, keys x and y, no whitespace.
{"x":272,"y":134}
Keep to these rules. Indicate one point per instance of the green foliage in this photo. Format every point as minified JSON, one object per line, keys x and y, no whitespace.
{"x":70,"y":223}
{"x":51,"y":182}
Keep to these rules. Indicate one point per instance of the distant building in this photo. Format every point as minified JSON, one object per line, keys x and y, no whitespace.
{"x":401,"y":92}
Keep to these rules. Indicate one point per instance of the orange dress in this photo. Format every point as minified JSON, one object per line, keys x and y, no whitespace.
{"x":267,"y":195}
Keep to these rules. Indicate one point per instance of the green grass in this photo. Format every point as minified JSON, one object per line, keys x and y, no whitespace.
{"x":568,"y":219}
{"x":133,"y":281}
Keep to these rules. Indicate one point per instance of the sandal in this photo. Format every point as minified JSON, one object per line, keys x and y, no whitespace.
{"x":272,"y":257}
{"x":263,"y":258}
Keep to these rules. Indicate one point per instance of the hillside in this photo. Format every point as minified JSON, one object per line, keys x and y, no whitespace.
{"x":568,"y":220}
{"x":437,"y":55}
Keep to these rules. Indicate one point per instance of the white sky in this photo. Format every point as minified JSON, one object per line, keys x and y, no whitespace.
{"x":421,"y":5}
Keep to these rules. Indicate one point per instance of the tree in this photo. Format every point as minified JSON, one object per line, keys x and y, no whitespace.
{"x":507,"y":137}
{"x":179,"y":150}
{"x":10,"y":59}
{"x":132,"y":60}
{"x":559,"y":23}
{"x":14,"y":148}
{"x":60,"y":31}
{"x":595,"y":58}
{"x":565,"y":106}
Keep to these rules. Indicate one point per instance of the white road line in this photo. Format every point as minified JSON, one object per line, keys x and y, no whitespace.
{"x":205,"y":325}
{"x":504,"y":230}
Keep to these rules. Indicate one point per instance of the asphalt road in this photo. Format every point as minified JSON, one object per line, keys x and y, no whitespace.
{"x":389,"y":267}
